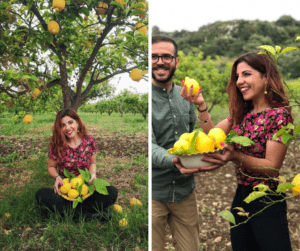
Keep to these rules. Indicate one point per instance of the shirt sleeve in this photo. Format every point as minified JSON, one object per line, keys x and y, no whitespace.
{"x":159,"y":160}
{"x":279,"y":119}
{"x":52,"y":154}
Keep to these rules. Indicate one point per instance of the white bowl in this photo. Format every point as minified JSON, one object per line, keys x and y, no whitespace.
{"x":194,"y":160}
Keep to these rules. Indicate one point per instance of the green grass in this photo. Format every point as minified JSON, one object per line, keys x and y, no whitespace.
{"x":26,"y":229}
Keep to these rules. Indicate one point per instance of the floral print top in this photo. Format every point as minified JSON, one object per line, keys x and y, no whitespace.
{"x":259,"y":127}
{"x":75,"y":158}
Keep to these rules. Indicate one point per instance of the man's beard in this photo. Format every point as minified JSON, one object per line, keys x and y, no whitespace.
{"x":163,"y":81}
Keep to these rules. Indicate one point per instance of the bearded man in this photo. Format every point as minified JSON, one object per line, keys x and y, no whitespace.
{"x":173,"y":186}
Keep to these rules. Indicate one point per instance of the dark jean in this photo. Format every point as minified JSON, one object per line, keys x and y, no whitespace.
{"x":267,"y":231}
{"x":50,"y":201}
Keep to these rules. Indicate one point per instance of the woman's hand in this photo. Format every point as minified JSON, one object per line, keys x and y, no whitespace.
{"x":221,"y":159}
{"x":93,"y":177}
{"x":197,"y":99}
{"x":57,"y":184}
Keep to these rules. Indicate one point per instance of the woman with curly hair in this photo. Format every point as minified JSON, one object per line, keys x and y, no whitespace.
{"x":258,"y":108}
{"x":72,"y":148}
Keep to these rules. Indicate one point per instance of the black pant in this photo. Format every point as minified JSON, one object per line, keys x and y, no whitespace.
{"x":47,"y":198}
{"x":267,"y":231}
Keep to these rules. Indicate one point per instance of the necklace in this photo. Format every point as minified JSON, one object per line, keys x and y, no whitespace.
{"x":75,"y":145}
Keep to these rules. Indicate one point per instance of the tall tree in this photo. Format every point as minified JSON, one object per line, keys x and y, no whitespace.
{"x":89,"y":43}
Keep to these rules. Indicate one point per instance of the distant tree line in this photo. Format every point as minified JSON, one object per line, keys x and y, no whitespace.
{"x":232,"y":38}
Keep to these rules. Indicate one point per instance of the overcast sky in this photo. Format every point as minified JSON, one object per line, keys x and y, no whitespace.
{"x":190,"y":15}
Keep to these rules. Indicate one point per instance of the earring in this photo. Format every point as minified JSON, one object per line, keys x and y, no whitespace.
{"x":266,"y":90}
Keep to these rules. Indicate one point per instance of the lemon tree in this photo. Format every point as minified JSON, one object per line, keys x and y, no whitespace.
{"x":53,"y":42}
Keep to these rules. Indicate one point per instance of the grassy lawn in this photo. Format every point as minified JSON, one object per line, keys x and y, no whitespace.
{"x":23,"y":170}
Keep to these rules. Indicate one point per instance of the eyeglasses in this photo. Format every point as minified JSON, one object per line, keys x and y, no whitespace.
{"x":167,"y":58}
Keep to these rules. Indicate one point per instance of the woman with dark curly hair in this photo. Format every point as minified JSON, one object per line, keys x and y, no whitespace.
{"x":72,"y":148}
{"x":258,"y":108}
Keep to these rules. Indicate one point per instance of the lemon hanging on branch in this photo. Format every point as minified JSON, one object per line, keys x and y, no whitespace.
{"x":121,"y":2}
{"x":58,"y":4}
{"x":102,"y":8}
{"x":141,"y":27}
{"x":53,"y":27}
{"x":36,"y":93}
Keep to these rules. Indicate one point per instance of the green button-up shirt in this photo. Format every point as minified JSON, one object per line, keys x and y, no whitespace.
{"x":172,"y":116}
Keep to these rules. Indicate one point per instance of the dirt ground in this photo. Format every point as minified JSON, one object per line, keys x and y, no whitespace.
{"x":215,"y":192}
{"x":117,"y":164}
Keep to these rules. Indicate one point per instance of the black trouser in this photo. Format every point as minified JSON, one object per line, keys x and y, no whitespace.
{"x":267,"y":231}
{"x":47,"y":198}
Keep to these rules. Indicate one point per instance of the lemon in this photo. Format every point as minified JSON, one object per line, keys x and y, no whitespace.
{"x":296,"y":190}
{"x":80,"y":177}
{"x":218,"y":135}
{"x":135,"y":202}
{"x":181,"y":143}
{"x":204,"y":144}
{"x":66,"y":181}
{"x":65,"y":188}
{"x":58,"y":4}
{"x":36,"y":93}
{"x":121,"y":2}
{"x":75,"y":181}
{"x":73,"y":193}
{"x":191,"y":82}
{"x":102,"y":8}
{"x":141,"y":27}
{"x":296,"y":180}
{"x":85,"y":190}
{"x":136,"y":75}
{"x":117,"y":208}
{"x":186,"y":136}
{"x":53,"y":27}
{"x":123,"y":223}
{"x":27,"y":119}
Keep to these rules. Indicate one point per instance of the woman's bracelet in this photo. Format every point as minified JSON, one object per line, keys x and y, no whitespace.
{"x":202,"y":110}
{"x":93,"y":175}
{"x":56,"y":177}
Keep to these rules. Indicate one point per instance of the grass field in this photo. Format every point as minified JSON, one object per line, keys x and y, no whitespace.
{"x":23,"y":170}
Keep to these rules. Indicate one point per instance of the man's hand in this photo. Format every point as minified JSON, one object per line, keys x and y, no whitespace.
{"x":182,"y":169}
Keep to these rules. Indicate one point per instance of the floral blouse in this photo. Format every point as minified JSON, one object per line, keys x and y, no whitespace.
{"x":75,"y":158}
{"x":259,"y":127}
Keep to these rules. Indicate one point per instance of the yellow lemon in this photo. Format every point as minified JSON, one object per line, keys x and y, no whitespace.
{"x":65,"y":188}
{"x":123,"y":223}
{"x":135,"y":202}
{"x":296,"y":179}
{"x":296,"y":190}
{"x":181,"y":143}
{"x":141,"y":27}
{"x":80,"y":177}
{"x":136,"y":74}
{"x":76,"y":181}
{"x":58,"y":4}
{"x":121,"y":2}
{"x":85,"y":190}
{"x":53,"y":27}
{"x":102,"y":8}
{"x":36,"y":93}
{"x":204,"y":144}
{"x":191,"y":82}
{"x":117,"y":208}
{"x":66,"y":181}
{"x":27,"y":119}
{"x":73,"y":193}
{"x":218,"y":135}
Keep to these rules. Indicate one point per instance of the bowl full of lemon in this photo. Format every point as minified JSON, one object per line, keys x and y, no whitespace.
{"x":192,"y":147}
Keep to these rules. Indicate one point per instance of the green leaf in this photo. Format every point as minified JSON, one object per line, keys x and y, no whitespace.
{"x":254,"y":195}
{"x":49,"y":38}
{"x":243,"y":214}
{"x":261,"y":187}
{"x":268,"y":48}
{"x":289,"y":49}
{"x":32,"y":86}
{"x":79,"y":188}
{"x":277,"y":48}
{"x":227,"y":215}
{"x":100,"y":186}
{"x":75,"y":203}
{"x":24,"y":60}
{"x":91,"y":189}
{"x":282,"y":187}
{"x":232,"y":137}
{"x":84,"y":11}
{"x":297,"y":130}
{"x":67,"y":173}
{"x":117,"y":4}
{"x":80,"y":199}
